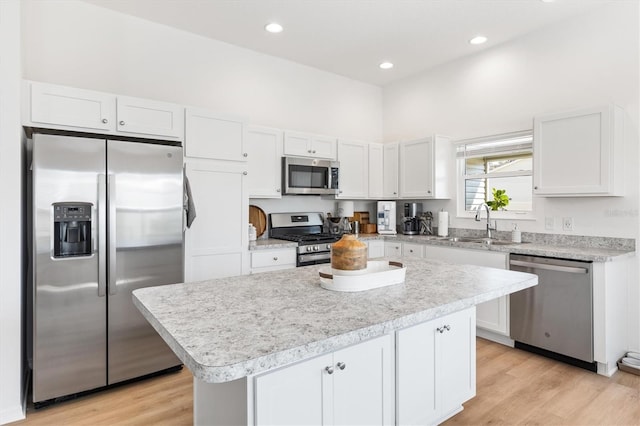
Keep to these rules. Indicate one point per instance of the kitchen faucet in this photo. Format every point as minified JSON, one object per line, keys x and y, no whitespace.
{"x":478,"y":214}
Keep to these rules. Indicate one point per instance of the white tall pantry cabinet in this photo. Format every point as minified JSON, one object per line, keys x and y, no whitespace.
{"x":216,"y":166}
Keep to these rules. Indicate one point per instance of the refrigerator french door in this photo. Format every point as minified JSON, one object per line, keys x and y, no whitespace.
{"x":107,"y":219}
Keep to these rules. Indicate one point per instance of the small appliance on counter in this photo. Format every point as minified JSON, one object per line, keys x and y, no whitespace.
{"x":411,"y":220}
{"x":386,"y":217}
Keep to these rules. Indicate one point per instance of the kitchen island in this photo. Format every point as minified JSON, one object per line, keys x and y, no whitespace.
{"x":233,"y":333}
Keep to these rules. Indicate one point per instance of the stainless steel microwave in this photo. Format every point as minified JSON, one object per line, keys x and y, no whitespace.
{"x":309,"y":176}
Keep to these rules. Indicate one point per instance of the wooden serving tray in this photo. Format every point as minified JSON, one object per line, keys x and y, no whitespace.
{"x":378,"y":273}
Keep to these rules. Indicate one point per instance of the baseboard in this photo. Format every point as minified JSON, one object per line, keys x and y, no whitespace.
{"x":494,"y":337}
{"x":12,"y":414}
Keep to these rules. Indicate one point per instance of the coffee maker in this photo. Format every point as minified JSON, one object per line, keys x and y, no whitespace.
{"x":411,"y":220}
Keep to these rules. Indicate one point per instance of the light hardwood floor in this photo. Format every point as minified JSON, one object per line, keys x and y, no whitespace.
{"x":513,"y":387}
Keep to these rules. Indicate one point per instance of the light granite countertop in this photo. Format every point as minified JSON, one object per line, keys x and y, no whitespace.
{"x":593,"y":249}
{"x":229,"y":328}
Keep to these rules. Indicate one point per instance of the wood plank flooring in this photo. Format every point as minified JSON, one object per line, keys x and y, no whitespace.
{"x":513,"y":387}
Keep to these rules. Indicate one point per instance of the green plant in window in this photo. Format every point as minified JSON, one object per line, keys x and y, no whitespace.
{"x":500,"y":199}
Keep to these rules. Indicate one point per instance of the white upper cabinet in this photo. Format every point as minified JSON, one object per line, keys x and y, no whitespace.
{"x":308,"y":145}
{"x":214,"y":136}
{"x":153,"y":118}
{"x":425,"y":168}
{"x":68,"y":108}
{"x":264,"y":148}
{"x":376,"y":170}
{"x":390,"y":170}
{"x":579,"y":153}
{"x":354,"y":168}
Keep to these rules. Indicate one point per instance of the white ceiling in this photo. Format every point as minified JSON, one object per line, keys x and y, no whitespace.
{"x":351,"y":37}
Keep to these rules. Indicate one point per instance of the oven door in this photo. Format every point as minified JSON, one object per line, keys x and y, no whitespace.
{"x":314,"y":258}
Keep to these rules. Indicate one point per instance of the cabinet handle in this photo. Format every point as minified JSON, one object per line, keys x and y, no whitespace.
{"x":341,"y":365}
{"x":395,"y":193}
{"x":277,"y":189}
{"x":309,"y":151}
{"x":444,"y":328}
{"x":314,"y":151}
{"x":275,"y":258}
{"x":245,"y":173}
{"x":410,"y":250}
{"x":535,"y":187}
{"x":329,"y":369}
{"x":245,"y":155}
{"x":122,"y":123}
{"x":105,"y":121}
{"x":429,"y":192}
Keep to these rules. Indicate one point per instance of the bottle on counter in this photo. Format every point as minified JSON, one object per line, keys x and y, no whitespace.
{"x":516,"y":236}
{"x":252,"y":232}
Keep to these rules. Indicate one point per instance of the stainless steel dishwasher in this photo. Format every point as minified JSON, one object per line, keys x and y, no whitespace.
{"x":554,"y":318}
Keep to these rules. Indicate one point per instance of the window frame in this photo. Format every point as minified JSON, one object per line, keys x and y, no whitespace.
{"x":461,"y":179}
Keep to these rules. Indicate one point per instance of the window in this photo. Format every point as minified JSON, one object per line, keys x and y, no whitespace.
{"x":501,"y":162}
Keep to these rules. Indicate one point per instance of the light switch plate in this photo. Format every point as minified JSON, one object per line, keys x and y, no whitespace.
{"x":567,"y":224}
{"x":549,"y":223}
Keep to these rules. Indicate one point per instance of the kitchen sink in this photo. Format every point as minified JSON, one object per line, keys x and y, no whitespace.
{"x":487,"y":241}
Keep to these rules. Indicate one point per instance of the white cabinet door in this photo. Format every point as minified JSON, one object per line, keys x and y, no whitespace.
{"x":376,"y":170}
{"x":308,"y":145}
{"x":351,"y":386}
{"x":58,"y":106}
{"x":214,"y":136}
{"x":354,"y":162}
{"x":297,"y":395}
{"x":390,"y":171}
{"x":492,"y":315}
{"x":426,"y":168}
{"x":362,"y":383}
{"x":216,"y":244}
{"x":416,"y":160}
{"x":264,"y":149}
{"x":579,"y":153}
{"x":375,"y":248}
{"x":412,"y":250}
{"x":392,"y":249}
{"x":151,"y":118}
{"x":435,"y":368}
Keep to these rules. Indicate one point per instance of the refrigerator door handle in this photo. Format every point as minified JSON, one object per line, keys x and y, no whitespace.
{"x":102,"y":233}
{"x":111,"y":232}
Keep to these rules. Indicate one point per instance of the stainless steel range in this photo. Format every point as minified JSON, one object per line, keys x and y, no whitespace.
{"x":314,"y":246}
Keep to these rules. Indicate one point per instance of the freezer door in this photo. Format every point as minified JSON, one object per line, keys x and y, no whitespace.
{"x":145,"y":249}
{"x":69,"y":303}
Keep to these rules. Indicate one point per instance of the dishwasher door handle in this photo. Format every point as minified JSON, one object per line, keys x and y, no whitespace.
{"x":558,"y":268}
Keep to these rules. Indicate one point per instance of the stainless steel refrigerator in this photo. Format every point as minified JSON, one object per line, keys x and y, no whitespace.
{"x":107,"y":219}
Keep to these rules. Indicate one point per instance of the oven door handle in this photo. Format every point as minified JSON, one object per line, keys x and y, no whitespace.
{"x":314,"y":256}
{"x":548,"y":267}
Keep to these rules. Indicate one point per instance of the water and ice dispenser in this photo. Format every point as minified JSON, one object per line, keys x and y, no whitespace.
{"x":71,"y":229}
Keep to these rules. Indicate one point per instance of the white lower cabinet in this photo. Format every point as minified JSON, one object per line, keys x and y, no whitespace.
{"x":412,"y":250}
{"x":392,"y":249}
{"x":435,"y":368}
{"x":492,"y":315}
{"x":350,"y":386}
{"x":273,"y":260}
{"x":375,"y":248}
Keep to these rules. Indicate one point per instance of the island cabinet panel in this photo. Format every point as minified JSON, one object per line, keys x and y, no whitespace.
{"x":493,"y":315}
{"x":350,"y":386}
{"x":375,"y":248}
{"x":435,"y":368}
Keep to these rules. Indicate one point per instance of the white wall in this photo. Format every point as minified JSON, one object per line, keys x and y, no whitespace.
{"x":587,"y":61}
{"x":11,"y":408}
{"x":82,"y":45}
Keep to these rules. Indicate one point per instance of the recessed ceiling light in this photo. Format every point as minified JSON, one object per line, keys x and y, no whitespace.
{"x":273,"y":27}
{"x":478,"y":40}
{"x":386,"y":65}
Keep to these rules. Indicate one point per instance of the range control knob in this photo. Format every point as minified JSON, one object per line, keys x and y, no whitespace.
{"x":309,"y":248}
{"x":328,"y":246}
{"x":316,"y":248}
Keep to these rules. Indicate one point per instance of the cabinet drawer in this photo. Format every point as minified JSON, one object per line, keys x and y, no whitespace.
{"x":412,"y":250}
{"x":269,"y":258}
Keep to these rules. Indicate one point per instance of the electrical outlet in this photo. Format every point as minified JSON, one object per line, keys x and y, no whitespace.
{"x":567,"y":224}
{"x":549,"y":223}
